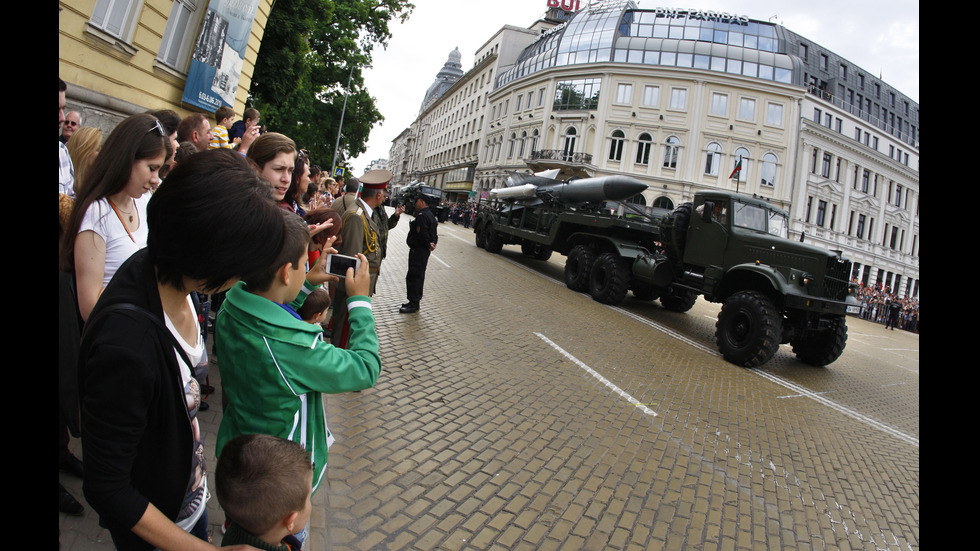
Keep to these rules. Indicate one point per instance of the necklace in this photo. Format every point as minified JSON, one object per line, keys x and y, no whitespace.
{"x":111,"y":204}
{"x":128,"y":213}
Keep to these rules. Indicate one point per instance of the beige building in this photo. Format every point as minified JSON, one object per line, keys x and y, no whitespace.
{"x":679,"y":98}
{"x":120,"y":58}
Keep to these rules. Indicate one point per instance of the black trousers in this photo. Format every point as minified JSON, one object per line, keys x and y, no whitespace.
{"x":418,"y":259}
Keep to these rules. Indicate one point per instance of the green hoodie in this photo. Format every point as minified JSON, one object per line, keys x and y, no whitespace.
{"x":274,"y":368}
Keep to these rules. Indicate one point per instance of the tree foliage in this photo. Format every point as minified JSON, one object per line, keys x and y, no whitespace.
{"x":311,"y":58}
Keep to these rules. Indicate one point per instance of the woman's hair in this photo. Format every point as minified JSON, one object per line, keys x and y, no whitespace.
{"x":184,"y":150}
{"x":267,"y":146}
{"x":213,"y":220}
{"x":82,"y":147}
{"x":136,"y":138}
{"x":294,"y":193}
{"x":321,"y":215}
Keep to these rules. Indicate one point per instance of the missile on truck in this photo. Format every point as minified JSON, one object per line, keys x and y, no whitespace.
{"x":729,"y":248}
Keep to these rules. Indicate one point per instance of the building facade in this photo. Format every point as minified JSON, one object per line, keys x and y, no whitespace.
{"x":121,"y":58}
{"x":687,"y":100}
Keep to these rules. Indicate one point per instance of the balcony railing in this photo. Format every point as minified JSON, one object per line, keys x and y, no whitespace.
{"x":560,"y":155}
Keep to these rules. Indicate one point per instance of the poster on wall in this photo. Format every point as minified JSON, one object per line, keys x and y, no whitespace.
{"x":216,"y":65}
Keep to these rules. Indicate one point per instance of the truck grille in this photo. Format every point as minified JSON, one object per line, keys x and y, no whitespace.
{"x":838,"y":278}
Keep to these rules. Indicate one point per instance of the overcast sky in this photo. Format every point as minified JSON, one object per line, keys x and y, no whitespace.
{"x":879,"y":36}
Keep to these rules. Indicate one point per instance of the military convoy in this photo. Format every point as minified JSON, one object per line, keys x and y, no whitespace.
{"x":729,"y":248}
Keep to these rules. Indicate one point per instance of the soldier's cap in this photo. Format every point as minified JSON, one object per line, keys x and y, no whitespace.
{"x":376,"y":179}
{"x":428,"y":198}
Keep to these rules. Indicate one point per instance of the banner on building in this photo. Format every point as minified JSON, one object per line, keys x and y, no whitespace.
{"x":216,"y":65}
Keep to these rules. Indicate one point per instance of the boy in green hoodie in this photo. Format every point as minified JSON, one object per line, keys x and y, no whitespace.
{"x":275,"y":366}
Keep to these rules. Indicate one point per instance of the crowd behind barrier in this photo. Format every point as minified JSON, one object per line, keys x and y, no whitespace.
{"x":875,"y":305}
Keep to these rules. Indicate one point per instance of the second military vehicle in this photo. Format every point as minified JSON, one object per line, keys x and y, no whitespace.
{"x":729,"y":248}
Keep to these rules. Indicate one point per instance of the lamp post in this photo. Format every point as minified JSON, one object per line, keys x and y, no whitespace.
{"x":340,"y":127}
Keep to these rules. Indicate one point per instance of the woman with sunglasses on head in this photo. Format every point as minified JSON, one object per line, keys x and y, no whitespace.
{"x":107,"y":223}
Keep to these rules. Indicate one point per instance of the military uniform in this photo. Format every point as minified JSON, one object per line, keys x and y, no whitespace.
{"x":422,"y":236}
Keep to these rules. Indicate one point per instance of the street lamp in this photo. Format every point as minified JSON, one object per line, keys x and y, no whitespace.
{"x":340,"y":127}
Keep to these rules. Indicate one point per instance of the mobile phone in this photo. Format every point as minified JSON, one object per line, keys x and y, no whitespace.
{"x":337,"y":264}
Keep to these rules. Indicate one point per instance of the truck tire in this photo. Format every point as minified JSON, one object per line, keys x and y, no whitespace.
{"x":676,"y":232}
{"x":645,"y":291}
{"x":748,"y":329}
{"x":819,"y":348}
{"x":481,"y":236}
{"x":494,"y":243}
{"x":578,"y":268}
{"x":677,"y":300}
{"x":610,"y":279}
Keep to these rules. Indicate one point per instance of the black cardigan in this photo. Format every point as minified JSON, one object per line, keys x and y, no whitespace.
{"x":136,"y":433}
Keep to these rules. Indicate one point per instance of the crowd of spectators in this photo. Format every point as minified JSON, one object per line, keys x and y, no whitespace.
{"x":462,"y":213}
{"x":876,"y":304}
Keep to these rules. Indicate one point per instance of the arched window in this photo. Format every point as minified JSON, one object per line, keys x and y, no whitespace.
{"x":510,"y":149}
{"x":671,"y":150}
{"x":616,"y":146}
{"x":712,"y":159}
{"x":643,"y":149}
{"x":568,"y":149}
{"x":663,"y":202}
{"x":534,"y":140}
{"x":520,"y":150}
{"x":741,"y":162}
{"x":769,"y":170}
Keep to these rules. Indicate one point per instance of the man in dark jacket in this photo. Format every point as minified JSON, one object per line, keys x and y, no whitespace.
{"x":422,"y":239}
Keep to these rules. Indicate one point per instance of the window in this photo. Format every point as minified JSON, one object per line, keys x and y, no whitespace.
{"x":769,"y":170}
{"x":741,"y":157}
{"x":671,"y":150}
{"x":860,"y":226}
{"x":746,"y":109}
{"x":821,"y":212}
{"x":651,"y":96}
{"x":643,"y":149}
{"x":577,"y":94}
{"x":534,"y":140}
{"x":678,"y":98}
{"x":178,"y":44}
{"x":568,"y":149}
{"x":116,"y":17}
{"x":712,"y":159}
{"x":825,"y":165}
{"x":510,"y":148}
{"x":719,"y":104}
{"x":774,"y":114}
{"x":616,"y":146}
{"x":624,"y":93}
{"x":520,"y":148}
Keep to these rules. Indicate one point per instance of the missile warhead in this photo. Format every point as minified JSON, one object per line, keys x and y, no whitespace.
{"x":591,"y":190}
{"x":514,"y":192}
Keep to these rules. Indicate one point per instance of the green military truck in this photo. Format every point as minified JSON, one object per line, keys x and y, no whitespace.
{"x":729,"y":248}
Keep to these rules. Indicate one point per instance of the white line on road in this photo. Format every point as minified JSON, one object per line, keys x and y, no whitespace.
{"x":773,"y":378}
{"x":601,"y":379}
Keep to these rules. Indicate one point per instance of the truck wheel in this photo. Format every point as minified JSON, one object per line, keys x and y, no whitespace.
{"x":610,"y":279}
{"x":819,"y":348}
{"x":494,"y":243}
{"x":481,"y":237}
{"x":578,"y":268}
{"x":748,"y":329}
{"x":677,"y":300}
{"x":645,"y":291}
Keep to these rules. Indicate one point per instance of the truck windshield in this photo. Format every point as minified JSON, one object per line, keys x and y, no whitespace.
{"x":761,"y":219}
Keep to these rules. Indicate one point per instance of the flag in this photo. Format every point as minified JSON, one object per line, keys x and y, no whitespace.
{"x":738,"y":169}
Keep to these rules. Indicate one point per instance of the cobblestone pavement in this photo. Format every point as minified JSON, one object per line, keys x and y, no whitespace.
{"x":513,"y":413}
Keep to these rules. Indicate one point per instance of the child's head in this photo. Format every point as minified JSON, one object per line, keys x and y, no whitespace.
{"x":264,"y":481}
{"x":251,"y":116}
{"x":292,"y":258}
{"x":223,"y":115}
{"x":314,"y":309}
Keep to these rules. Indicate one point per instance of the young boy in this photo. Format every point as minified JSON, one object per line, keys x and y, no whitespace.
{"x":219,"y":134}
{"x":274,"y":365}
{"x":237,"y":130}
{"x":264,"y":485}
{"x":314,"y":310}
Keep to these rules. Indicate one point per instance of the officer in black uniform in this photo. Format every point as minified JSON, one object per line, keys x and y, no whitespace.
{"x":422,"y":239}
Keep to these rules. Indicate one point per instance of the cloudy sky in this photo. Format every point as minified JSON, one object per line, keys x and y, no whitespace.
{"x":879,"y":36}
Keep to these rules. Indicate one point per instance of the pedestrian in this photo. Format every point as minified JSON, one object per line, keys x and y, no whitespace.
{"x":83,"y":147}
{"x":894,"y":308}
{"x":422,"y":239}
{"x":223,"y":117}
{"x":359,"y":234}
{"x":263,"y":484}
{"x":145,"y":471}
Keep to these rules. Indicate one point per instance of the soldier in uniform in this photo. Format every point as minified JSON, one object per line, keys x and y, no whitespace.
{"x":360,"y":233}
{"x":422,"y":239}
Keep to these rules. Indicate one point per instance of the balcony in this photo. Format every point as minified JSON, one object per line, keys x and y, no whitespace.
{"x":561,"y":156}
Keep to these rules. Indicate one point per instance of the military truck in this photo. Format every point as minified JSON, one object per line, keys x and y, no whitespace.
{"x":406,"y":196}
{"x":729,"y":248}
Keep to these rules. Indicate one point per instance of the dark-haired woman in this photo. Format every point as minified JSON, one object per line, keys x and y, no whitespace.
{"x":107,"y":223}
{"x":211,"y":223}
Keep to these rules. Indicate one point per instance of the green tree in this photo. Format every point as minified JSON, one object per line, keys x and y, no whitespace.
{"x":311,"y":58}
